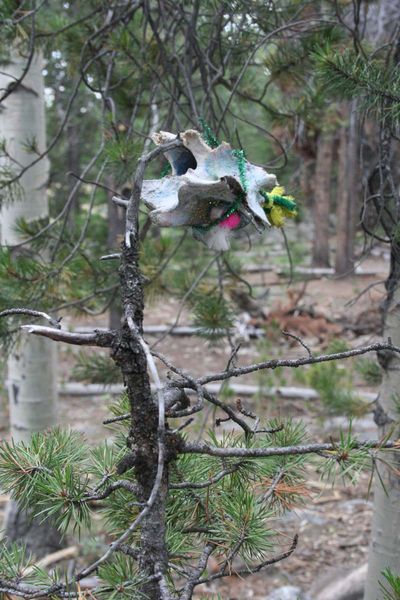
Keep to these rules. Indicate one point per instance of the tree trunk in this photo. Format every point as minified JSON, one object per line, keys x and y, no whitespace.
{"x":143,"y":437}
{"x":32,"y":380}
{"x":385,"y":537}
{"x":116,"y":228}
{"x":74,"y":144}
{"x":307,"y":170}
{"x":348,"y":194}
{"x":384,"y":551}
{"x":321,"y":209}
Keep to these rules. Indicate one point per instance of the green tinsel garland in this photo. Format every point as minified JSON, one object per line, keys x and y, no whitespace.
{"x":208,"y":135}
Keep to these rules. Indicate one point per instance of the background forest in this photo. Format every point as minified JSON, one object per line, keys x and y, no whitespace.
{"x":179,"y":420}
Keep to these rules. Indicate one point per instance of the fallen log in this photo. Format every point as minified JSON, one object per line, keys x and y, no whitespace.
{"x":286,"y":392}
{"x":253,"y":332}
{"x":340,"y":585}
{"x":53,"y":558}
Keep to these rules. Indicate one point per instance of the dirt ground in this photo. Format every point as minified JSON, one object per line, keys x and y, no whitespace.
{"x":334,"y":525}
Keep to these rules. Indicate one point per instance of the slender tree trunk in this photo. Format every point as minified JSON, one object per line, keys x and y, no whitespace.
{"x":384,"y":551}
{"x":349,"y":192}
{"x":385,"y":537}
{"x":74,"y":144}
{"x":143,"y":437}
{"x":321,"y":209}
{"x":306,"y":179}
{"x":32,"y":365}
{"x":116,"y":228}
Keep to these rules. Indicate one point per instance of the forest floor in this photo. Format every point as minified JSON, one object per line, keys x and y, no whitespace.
{"x":334,"y":525}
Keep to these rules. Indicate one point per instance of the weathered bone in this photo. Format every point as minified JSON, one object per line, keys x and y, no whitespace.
{"x":203,"y":184}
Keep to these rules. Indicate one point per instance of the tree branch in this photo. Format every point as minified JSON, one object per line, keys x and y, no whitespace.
{"x":203,"y":448}
{"x":255,"y":569}
{"x":204,"y":484}
{"x":297,"y":362}
{"x":31,"y":313}
{"x":103,"y":339}
{"x":133,"y":204}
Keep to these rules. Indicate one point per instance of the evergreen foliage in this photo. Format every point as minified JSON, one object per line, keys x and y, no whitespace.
{"x":348,"y":75}
{"x":96,"y":368}
{"x":231,"y":502}
{"x":115,"y":73}
{"x":390,"y":587}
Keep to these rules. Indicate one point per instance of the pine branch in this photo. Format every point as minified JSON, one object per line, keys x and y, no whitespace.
{"x":297,"y":362}
{"x":349,"y":75}
{"x":256,"y":568}
{"x":204,"y":448}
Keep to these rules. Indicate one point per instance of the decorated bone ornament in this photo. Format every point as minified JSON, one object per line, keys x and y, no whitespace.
{"x":213,"y":190}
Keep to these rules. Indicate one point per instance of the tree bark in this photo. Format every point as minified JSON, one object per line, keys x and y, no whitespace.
{"x":306,"y":179}
{"x":321,"y":208}
{"x":385,"y":537}
{"x":32,"y":384}
{"x":384,"y":551}
{"x":116,"y":228}
{"x":143,"y":437}
{"x":349,"y":192}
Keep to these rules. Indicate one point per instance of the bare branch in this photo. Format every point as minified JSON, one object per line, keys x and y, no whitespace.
{"x":297,"y":362}
{"x":202,"y":564}
{"x":298,"y":339}
{"x":117,"y":419}
{"x":256,"y":568}
{"x":103,"y":339}
{"x":203,"y":448}
{"x":162,"y":582}
{"x":31,"y":313}
{"x":116,"y":485}
{"x":133,"y":205}
{"x":115,"y":256}
{"x":204,"y":484}
{"x":278,"y":477}
{"x":120,"y":201}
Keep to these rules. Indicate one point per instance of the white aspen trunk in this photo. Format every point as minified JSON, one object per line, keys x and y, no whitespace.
{"x":32,"y":366}
{"x":383,"y":17}
{"x":32,"y":378}
{"x":384,"y":549}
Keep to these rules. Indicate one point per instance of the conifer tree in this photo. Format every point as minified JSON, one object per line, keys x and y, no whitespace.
{"x":169,"y":502}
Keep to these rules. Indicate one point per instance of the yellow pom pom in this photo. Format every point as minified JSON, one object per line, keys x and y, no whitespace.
{"x":278,"y":190}
{"x":277,"y":216}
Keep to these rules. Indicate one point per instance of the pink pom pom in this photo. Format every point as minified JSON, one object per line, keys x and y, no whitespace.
{"x":231,"y":222}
